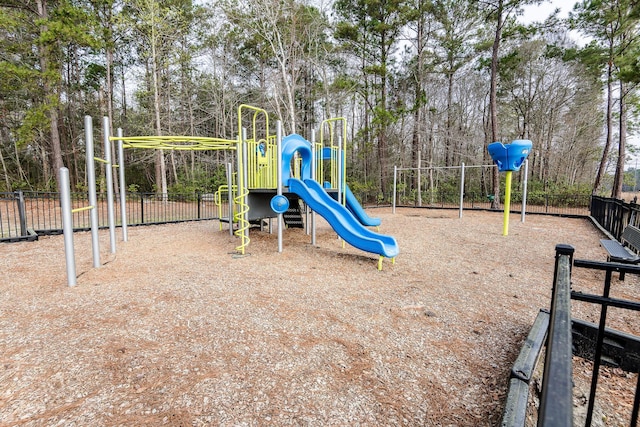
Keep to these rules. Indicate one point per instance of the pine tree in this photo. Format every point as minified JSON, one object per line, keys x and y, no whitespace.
{"x":371,"y":30}
{"x":613,"y":25}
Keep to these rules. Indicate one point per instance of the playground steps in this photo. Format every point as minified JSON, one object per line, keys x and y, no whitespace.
{"x":293,"y":215}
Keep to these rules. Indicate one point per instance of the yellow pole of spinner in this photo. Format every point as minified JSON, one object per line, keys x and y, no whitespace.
{"x":507,"y":204}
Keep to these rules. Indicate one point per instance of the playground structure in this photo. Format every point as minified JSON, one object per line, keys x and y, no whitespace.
{"x":273,"y":175}
{"x":68,"y":210}
{"x":508,"y":158}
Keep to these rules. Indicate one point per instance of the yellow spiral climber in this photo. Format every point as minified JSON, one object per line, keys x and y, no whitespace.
{"x":243,"y":224}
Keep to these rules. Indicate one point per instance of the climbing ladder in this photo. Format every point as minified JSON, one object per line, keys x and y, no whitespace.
{"x":293,"y":215}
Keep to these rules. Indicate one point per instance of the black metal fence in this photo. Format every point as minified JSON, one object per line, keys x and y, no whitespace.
{"x":24,"y":215}
{"x":568,"y":337}
{"x":605,"y":301}
{"x":614,"y":215}
{"x":536,"y":203}
{"x":556,"y":402}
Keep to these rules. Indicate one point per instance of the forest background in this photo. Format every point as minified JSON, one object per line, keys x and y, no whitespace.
{"x":442,"y":78}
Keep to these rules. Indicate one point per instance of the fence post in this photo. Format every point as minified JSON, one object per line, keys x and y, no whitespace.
{"x":141,"y":208}
{"x":597,"y":358}
{"x":610,"y":217}
{"x":627,"y":213}
{"x":546,"y":203}
{"x":556,"y":402}
{"x":22,"y":212}
{"x":632,"y":209}
{"x":199,"y":197}
{"x":395,"y":185}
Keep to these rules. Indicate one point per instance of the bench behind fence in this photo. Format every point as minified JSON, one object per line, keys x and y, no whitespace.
{"x":613,"y":215}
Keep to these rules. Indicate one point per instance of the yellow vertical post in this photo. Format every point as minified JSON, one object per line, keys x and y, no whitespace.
{"x":507,"y":203}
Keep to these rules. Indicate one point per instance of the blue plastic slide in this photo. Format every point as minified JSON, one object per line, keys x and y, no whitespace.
{"x":352,"y":203}
{"x":355,"y":208}
{"x":358,"y":212}
{"x":342,"y":221}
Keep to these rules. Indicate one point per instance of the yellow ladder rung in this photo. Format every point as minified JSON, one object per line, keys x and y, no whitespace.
{"x":86,"y":208}
{"x":101,"y":160}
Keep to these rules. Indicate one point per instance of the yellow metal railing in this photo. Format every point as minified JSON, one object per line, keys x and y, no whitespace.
{"x":262,"y":163}
{"x":261,"y":147}
{"x":176,"y":142}
{"x":297,"y":167}
{"x":239,"y":217}
{"x":82,"y":209}
{"x":337,"y":129}
{"x":242,"y":192}
{"x":218,"y":200}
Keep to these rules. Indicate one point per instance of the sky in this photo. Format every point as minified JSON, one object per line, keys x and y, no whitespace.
{"x":538,"y":13}
{"x":542,"y":11}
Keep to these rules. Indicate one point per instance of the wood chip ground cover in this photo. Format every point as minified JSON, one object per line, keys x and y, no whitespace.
{"x":175,"y":329}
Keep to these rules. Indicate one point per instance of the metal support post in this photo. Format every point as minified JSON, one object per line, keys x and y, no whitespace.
{"x":109,"y":173}
{"x":395,"y":183}
{"x":461,"y":190}
{"x":245,"y":180}
{"x":22,"y":214}
{"x":91,"y":184}
{"x":524,"y":190}
{"x":123,"y":187}
{"x":67,"y":226}
{"x":507,"y":202}
{"x":240,"y":190}
{"x":279,"y":178}
{"x":419,"y":195}
{"x":230,"y":193}
{"x":314,"y":155}
{"x":341,"y":178}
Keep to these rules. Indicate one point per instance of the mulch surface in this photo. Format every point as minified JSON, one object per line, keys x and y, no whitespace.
{"x":176,"y":328}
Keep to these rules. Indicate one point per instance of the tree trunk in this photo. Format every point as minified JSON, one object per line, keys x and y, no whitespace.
{"x":50,"y":92}
{"x":420,"y":96}
{"x":21,"y":172}
{"x":44,"y":157}
{"x":109,"y":101}
{"x":493,"y":102}
{"x":616,"y":191}
{"x":5,"y":173}
{"x":382,"y":129}
{"x":124,"y":97}
{"x":609,"y":124}
{"x":449,"y":149}
{"x":161,"y":173}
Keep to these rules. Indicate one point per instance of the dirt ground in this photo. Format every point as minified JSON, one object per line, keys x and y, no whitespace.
{"x":177,"y":329}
